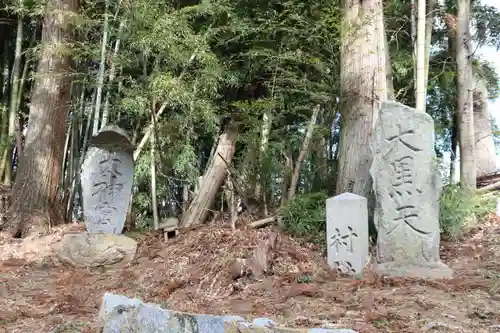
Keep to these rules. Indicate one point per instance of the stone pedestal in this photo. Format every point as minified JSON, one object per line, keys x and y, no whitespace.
{"x":407,"y":188}
{"x":347,"y":233}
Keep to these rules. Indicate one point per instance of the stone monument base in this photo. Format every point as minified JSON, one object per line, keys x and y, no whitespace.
{"x":422,"y":270}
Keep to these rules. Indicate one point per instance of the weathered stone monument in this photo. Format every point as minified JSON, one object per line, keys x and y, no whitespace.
{"x":107,"y":178}
{"x":407,"y":187}
{"x":347,"y":232}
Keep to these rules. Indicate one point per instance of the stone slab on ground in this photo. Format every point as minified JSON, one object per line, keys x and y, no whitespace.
{"x":120,"y":314}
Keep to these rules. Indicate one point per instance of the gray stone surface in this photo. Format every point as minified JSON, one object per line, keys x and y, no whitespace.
{"x":107,"y":179}
{"x":93,"y":250}
{"x":407,"y":187}
{"x":347,"y":232}
{"x":119,"y":314}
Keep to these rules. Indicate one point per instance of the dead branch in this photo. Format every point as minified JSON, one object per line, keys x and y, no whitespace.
{"x":262,"y":222}
{"x":487,"y":188}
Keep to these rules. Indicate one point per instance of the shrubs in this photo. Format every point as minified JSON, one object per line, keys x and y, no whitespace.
{"x":305,"y":216}
{"x":459,"y":207}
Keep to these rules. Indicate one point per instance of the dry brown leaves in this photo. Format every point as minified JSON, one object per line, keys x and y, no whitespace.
{"x":194,"y":273}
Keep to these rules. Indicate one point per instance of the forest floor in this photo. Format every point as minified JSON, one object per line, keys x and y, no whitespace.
{"x":193,"y":273}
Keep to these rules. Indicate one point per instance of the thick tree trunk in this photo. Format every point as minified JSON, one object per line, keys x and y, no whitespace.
{"x":464,"y":104}
{"x":485,"y":146}
{"x":212,"y":180}
{"x":35,"y":201}
{"x":364,"y":87}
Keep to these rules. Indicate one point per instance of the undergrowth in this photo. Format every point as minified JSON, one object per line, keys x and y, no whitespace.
{"x":305,"y":216}
{"x":459,"y":207}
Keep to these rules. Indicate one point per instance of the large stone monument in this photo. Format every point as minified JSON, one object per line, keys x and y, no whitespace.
{"x":107,"y":179}
{"x":347,"y":233}
{"x":407,"y":188}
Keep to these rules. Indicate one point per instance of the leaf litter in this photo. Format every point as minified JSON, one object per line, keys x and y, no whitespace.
{"x":193,"y":273}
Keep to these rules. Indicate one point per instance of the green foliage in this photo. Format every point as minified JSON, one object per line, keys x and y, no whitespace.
{"x":458,"y":207}
{"x":204,"y":60}
{"x":305,"y":216}
{"x":486,"y":20}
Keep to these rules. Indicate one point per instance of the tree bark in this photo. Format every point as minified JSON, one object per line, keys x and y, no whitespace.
{"x":212,"y":180}
{"x":485,"y":146}
{"x":389,"y":75}
{"x":464,"y":103}
{"x":16,"y":73}
{"x":302,"y":155}
{"x":364,"y":87}
{"x":429,"y":25}
{"x":454,"y":149}
{"x":100,"y":79}
{"x":154,"y":204}
{"x":35,"y":189}
{"x":421,"y":87}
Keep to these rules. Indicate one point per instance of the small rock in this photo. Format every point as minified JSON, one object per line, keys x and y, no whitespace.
{"x":263,"y":322}
{"x":435,"y":325}
{"x":93,"y":250}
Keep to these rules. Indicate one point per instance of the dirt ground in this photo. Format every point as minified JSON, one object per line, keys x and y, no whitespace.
{"x":193,"y":273}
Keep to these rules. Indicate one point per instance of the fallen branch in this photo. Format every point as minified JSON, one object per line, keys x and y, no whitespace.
{"x":262,"y":222}
{"x":490,"y":187}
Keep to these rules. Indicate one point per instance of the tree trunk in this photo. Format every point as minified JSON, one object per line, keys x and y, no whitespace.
{"x":454,"y":149}
{"x":485,"y":146}
{"x":112,"y":71}
{"x":421,"y":80}
{"x":35,"y":203}
{"x":212,"y":180}
{"x":464,"y":91}
{"x":13,"y":125}
{"x":429,"y":25}
{"x":154,"y":204}
{"x":389,"y":77}
{"x":230,"y":195}
{"x":364,"y":87}
{"x":413,"y":36}
{"x":305,"y":148}
{"x":100,"y":79}
{"x":264,"y":142}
